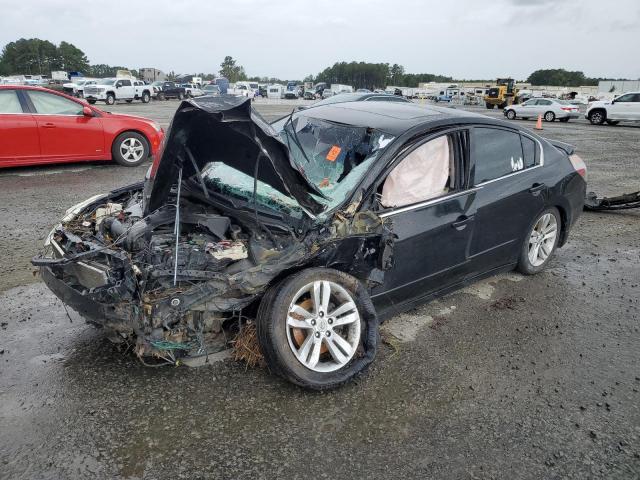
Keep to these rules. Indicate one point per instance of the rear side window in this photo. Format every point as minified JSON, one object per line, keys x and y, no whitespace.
{"x":9,"y":102}
{"x":496,"y":153}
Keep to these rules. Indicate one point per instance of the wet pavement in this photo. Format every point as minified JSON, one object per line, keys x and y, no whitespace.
{"x":513,"y":377}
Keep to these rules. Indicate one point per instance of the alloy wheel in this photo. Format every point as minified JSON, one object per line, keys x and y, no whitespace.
{"x":323,"y":326}
{"x":131,"y":149}
{"x":542,"y":239}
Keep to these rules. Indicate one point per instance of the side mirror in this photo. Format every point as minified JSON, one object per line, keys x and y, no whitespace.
{"x":87,"y":112}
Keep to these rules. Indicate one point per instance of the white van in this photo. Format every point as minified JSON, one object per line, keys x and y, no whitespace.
{"x":275,"y":91}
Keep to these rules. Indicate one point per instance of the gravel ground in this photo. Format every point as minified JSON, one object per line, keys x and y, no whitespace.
{"x":514,"y":377}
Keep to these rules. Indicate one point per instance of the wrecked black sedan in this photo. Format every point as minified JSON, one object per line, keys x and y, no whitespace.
{"x":312,"y":228}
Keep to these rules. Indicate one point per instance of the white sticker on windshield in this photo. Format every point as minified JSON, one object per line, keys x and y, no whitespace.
{"x":384,"y":141}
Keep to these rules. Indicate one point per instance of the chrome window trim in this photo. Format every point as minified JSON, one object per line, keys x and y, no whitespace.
{"x":428,"y":203}
{"x":508,"y":175}
{"x":58,"y":114}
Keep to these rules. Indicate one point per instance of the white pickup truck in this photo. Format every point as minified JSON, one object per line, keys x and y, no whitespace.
{"x":243,"y":89}
{"x":192,"y":90}
{"x":109,"y":90}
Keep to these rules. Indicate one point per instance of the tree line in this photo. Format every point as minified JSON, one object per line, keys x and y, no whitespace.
{"x":34,"y":56}
{"x":563,"y":78}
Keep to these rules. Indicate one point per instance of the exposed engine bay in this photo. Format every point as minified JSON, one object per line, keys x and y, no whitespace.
{"x":174,"y":265}
{"x":112,"y":255}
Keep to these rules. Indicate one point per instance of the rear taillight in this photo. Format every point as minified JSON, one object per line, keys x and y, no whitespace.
{"x":578,"y":165}
{"x":567,"y":109}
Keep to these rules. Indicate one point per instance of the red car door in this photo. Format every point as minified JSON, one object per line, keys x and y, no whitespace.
{"x":65,"y":132}
{"x":19,"y":143}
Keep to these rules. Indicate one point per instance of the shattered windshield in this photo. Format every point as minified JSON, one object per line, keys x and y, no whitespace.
{"x":225,"y":180}
{"x":332,"y":156}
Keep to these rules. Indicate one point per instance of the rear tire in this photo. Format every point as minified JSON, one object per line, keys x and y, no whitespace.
{"x":326,"y":351}
{"x":511,"y":114}
{"x":130,"y":149}
{"x":549,"y":117}
{"x":540,"y":242}
{"x":563,"y":120}
{"x":490,"y":106}
{"x":597,"y":117}
{"x":91,"y":102}
{"x":111,"y":99}
{"x":180,"y":96}
{"x":612,"y":122}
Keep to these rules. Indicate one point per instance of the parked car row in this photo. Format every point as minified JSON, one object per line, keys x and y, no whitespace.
{"x":625,"y":108}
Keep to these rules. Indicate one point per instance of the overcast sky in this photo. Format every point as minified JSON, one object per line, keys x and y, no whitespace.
{"x":287,"y":39}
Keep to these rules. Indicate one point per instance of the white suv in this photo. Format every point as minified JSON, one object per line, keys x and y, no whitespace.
{"x":625,"y":108}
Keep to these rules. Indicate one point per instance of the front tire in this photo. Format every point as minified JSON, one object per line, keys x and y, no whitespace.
{"x":511,"y":114}
{"x":130,"y":149}
{"x":597,"y":117}
{"x":549,"y":117}
{"x":111,"y":99}
{"x":145,"y":97}
{"x":180,"y":96}
{"x":318,"y":328}
{"x":490,"y":106}
{"x":540,"y":243}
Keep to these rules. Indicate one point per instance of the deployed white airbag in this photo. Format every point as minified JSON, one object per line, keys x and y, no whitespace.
{"x":422,"y":175}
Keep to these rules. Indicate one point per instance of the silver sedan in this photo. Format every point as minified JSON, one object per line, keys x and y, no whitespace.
{"x":549,"y":108}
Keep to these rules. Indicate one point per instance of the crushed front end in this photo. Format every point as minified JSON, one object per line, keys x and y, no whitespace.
{"x":173,"y":267}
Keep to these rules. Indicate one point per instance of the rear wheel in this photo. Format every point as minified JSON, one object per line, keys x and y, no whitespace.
{"x":318,"y":328}
{"x":511,"y":114}
{"x":490,"y":106}
{"x":130,"y":149}
{"x":92,"y":102}
{"x":540,"y":242}
{"x":180,"y":95}
{"x":613,"y":122}
{"x":597,"y":117}
{"x":111,"y":99}
{"x":549,"y":117}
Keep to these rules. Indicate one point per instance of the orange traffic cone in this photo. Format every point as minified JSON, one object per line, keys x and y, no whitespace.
{"x":539,"y":122}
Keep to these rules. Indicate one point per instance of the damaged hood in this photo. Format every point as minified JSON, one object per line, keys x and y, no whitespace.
{"x":226,"y":129}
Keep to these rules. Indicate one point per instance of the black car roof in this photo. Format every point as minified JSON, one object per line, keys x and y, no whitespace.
{"x":393,"y":117}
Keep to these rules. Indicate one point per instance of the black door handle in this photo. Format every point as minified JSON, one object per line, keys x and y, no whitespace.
{"x":536,"y":188}
{"x":461,"y":222}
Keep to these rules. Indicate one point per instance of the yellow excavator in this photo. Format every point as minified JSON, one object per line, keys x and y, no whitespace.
{"x":503,"y":94}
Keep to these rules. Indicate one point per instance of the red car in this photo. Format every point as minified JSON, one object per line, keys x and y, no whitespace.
{"x":40,"y":126}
